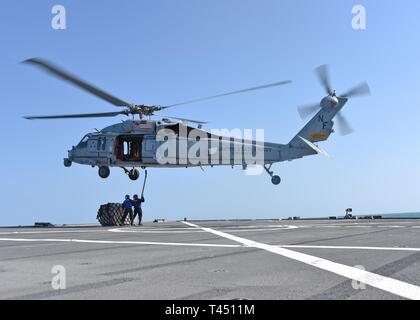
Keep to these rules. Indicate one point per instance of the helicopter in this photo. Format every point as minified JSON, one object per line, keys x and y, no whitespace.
{"x":138,"y":143}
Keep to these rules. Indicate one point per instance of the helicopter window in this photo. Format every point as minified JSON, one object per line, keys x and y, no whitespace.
{"x":85,"y":138}
{"x":128,"y":148}
{"x":149,"y":145}
{"x":101,"y":144}
{"x":175,"y":129}
{"x":180,"y":131}
{"x":83,"y":142}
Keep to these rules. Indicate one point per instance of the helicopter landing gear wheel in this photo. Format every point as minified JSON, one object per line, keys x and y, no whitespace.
{"x":134,"y":174}
{"x":275,"y":180}
{"x":67,"y":162}
{"x":104,"y":172}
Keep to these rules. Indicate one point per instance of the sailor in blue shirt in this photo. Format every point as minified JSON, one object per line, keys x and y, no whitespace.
{"x":137,"y":207}
{"x":127,"y":206}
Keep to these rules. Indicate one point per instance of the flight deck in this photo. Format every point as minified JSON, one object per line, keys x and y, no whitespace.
{"x":246,"y":259}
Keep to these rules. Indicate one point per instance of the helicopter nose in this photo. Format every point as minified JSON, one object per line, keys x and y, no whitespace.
{"x":71,"y":153}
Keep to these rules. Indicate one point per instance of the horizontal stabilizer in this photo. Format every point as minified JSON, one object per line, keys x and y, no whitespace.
{"x":315,"y":147}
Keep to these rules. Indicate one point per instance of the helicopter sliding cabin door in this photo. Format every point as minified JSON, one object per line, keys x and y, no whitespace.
{"x":129,"y":148}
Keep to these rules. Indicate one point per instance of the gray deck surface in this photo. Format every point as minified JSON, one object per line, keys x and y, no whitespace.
{"x":172,"y":260}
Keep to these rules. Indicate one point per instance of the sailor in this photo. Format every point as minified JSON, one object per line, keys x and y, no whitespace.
{"x":127,"y":206}
{"x":137,"y":208}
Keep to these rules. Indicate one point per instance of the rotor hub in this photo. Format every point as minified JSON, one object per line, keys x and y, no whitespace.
{"x":142,"y":110}
{"x":330,"y":101}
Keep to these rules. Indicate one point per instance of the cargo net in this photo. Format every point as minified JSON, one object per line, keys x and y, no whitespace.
{"x":111,"y":214}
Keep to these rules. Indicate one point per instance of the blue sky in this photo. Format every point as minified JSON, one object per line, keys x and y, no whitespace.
{"x":162,"y":52}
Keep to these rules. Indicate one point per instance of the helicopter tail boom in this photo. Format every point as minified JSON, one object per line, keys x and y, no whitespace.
{"x":319,"y":128}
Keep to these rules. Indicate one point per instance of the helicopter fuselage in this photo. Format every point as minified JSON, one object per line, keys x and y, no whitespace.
{"x":163,"y":144}
{"x":142,"y":144}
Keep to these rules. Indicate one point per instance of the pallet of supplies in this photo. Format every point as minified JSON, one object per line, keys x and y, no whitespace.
{"x":111,"y":214}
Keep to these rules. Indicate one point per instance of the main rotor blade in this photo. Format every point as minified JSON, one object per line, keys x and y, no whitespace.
{"x":230,"y":93}
{"x":82,"y":115}
{"x":343,"y":126}
{"x":359,"y":90}
{"x":323,"y":74}
{"x":49,"y":67}
{"x":306,"y":111}
{"x":187,"y":120}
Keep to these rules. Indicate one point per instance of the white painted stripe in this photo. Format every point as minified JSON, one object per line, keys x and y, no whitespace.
{"x":258,"y":230}
{"x":124,"y":242}
{"x":394,"y":286}
{"x":194,"y":230}
{"x":261,"y":226}
{"x":385,"y":226}
{"x":139,"y":230}
{"x":53,"y":231}
{"x":360,"y":225}
{"x":352,"y":248}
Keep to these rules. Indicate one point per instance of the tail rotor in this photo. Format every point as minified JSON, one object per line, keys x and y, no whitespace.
{"x":332,"y":99}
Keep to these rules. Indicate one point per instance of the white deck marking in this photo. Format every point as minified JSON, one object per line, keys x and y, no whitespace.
{"x":351,"y":248}
{"x":258,"y":230}
{"x":394,"y":286}
{"x":52,"y":231}
{"x":168,"y":230}
{"x":124,"y":242}
{"x":195,"y":230}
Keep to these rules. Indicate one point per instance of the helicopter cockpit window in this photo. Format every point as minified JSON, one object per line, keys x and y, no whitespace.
{"x":83,"y":142}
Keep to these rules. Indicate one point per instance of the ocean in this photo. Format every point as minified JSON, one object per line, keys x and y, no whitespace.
{"x":406,"y":215}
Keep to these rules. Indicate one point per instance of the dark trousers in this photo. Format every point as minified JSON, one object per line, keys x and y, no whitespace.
{"x":127,"y":212}
{"x":138,"y":211}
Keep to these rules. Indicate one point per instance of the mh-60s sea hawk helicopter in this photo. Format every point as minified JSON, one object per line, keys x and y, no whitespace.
{"x":136,"y":143}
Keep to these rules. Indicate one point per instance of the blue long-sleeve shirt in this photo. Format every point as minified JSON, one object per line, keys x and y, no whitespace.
{"x":127,"y":204}
{"x":137,"y":203}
